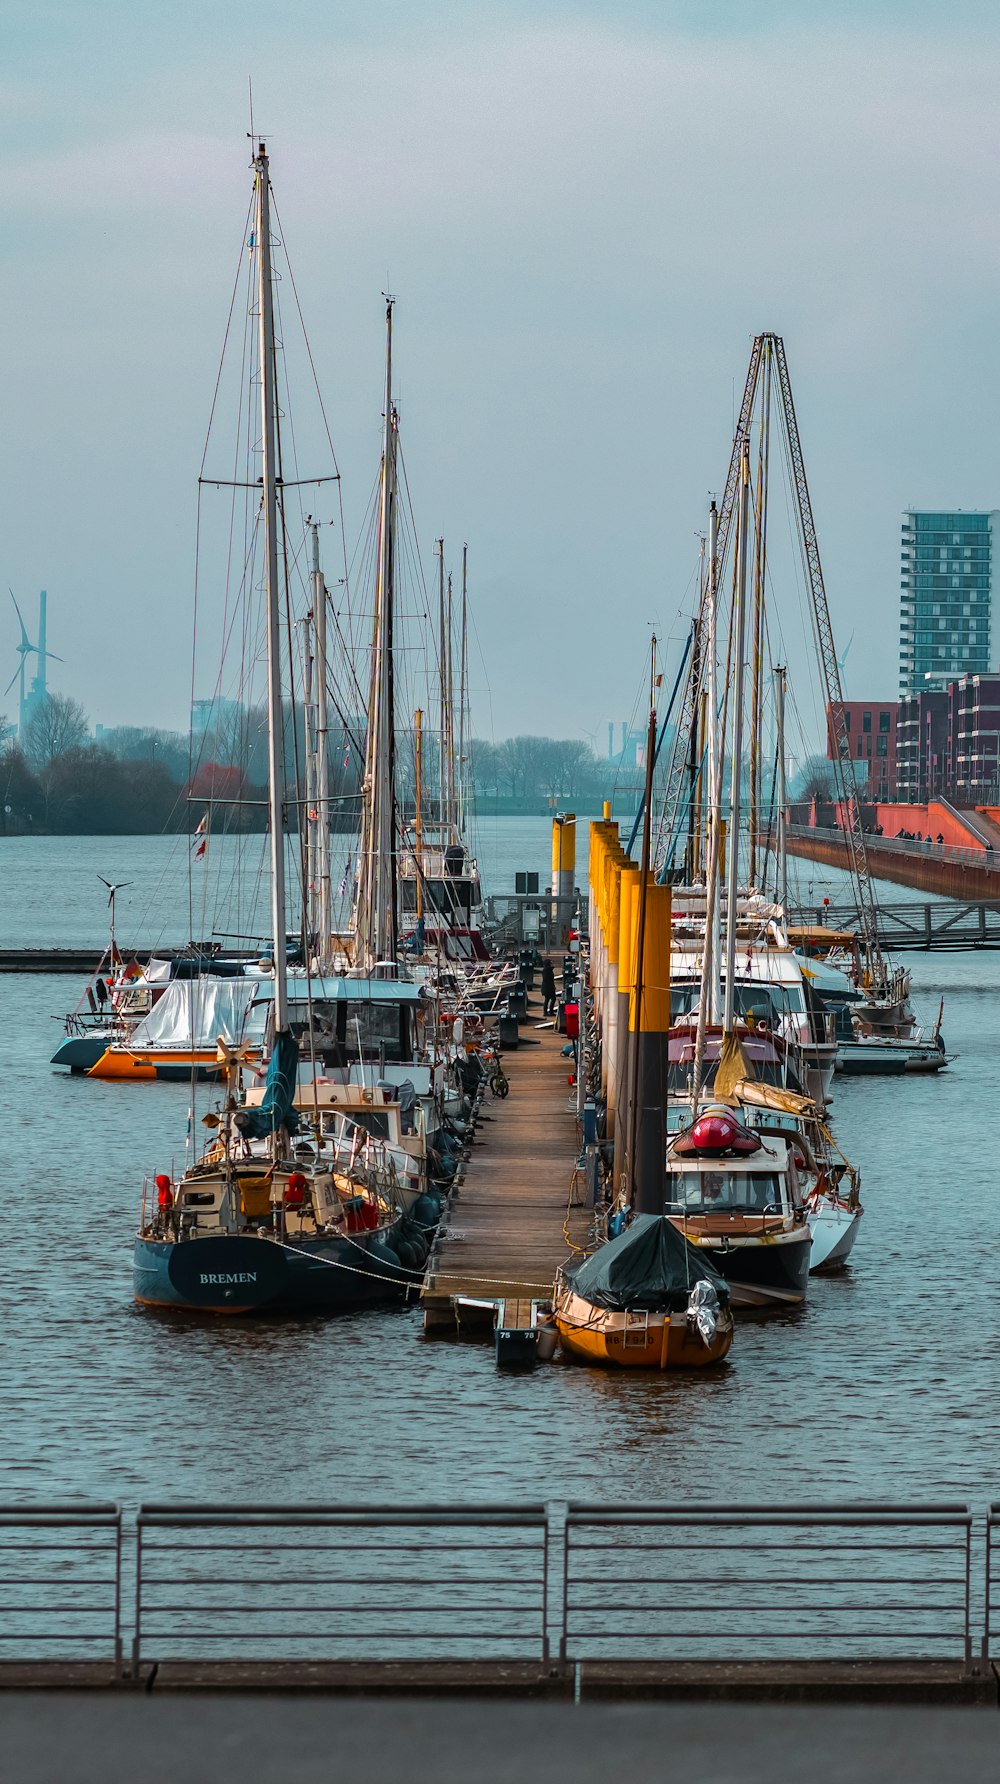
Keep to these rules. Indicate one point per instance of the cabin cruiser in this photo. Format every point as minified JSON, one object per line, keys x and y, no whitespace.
{"x":737,"y":1195}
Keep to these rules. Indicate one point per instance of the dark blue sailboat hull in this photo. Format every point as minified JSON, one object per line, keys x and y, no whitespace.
{"x":243,"y":1273}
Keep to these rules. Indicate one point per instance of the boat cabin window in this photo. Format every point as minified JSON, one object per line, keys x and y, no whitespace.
{"x":710,"y":1192}
{"x":374,"y":1121}
{"x":333,"y":1034}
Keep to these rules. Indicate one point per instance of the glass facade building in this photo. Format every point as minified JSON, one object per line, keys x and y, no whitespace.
{"x":944,"y":610}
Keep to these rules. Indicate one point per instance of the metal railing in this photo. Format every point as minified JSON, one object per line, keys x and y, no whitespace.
{"x":334,"y":1584}
{"x":735,"y":1582}
{"x":61,"y":1584}
{"x":987,"y":859}
{"x":496,"y":1584}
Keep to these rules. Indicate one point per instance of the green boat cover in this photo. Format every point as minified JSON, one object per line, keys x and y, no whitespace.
{"x":277,"y":1107}
{"x":649,"y":1268}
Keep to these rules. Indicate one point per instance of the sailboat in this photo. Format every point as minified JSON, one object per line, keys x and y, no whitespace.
{"x":732,"y":1193}
{"x":261,"y":1222}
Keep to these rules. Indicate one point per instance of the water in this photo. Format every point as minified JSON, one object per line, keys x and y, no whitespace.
{"x":882,"y":1386}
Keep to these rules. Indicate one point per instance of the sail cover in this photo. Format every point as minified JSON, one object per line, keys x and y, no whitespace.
{"x":649,"y":1268}
{"x":194,"y":1012}
{"x":277,"y":1105}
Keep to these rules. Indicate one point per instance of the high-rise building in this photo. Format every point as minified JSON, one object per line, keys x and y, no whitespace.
{"x":944,"y":609}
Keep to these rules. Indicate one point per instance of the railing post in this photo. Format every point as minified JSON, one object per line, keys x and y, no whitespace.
{"x":136,"y":1625}
{"x":987,"y":1586}
{"x":118,"y":1595}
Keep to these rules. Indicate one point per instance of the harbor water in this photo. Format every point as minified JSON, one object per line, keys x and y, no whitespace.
{"x":882,"y":1386}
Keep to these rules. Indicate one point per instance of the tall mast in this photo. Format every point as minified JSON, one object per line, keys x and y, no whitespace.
{"x":321,"y":862}
{"x":759,"y":575}
{"x":708,"y":996}
{"x":307,"y":831}
{"x":463,"y":685}
{"x":451,"y":713}
{"x":275,"y":741}
{"x":739,"y":674}
{"x":442,"y":681}
{"x":376,"y":913}
{"x":713,"y":926}
{"x":418,"y":814}
{"x":782,"y":849}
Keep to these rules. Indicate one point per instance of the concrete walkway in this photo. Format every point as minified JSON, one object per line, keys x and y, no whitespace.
{"x":236,"y":1740}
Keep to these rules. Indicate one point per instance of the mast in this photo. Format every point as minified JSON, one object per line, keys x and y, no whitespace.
{"x":321,"y":861}
{"x":442,"y":678}
{"x":782,"y":845}
{"x":739,"y":675}
{"x":759,"y":573}
{"x":418,"y":767}
{"x":708,"y":996}
{"x":713,"y":926}
{"x":463,"y":686}
{"x":450,"y":709}
{"x":275,"y":740}
{"x":307,"y":830}
{"x":377,"y":904}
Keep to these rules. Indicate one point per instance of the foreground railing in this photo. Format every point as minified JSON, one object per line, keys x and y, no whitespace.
{"x":496,"y":1584}
{"x":329,"y":1583}
{"x":736,"y":1582}
{"x":61,"y":1584}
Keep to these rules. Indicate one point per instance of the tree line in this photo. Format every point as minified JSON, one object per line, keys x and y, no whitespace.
{"x":133,"y":780}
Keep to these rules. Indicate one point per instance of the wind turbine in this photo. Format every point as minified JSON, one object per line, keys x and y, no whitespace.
{"x":113,"y":892}
{"x":26,"y":704}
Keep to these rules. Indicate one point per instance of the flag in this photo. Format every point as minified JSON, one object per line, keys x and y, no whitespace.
{"x":203,"y":826}
{"x":200,"y":850}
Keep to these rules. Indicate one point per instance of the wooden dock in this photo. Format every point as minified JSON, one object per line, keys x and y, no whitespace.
{"x":504,"y":1240}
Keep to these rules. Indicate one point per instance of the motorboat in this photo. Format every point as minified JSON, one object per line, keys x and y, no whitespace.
{"x":737,"y":1196}
{"x":647,"y":1299}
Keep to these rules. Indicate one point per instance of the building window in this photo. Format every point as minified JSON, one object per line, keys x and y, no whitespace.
{"x":847,"y":718}
{"x":866,"y":721}
{"x":882,"y":746}
{"x":884,"y":723}
{"x":861,"y":746}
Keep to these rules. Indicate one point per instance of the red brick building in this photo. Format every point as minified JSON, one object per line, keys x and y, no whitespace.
{"x":871,"y":740}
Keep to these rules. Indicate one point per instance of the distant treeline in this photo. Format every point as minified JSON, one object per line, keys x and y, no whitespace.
{"x":136,"y":780}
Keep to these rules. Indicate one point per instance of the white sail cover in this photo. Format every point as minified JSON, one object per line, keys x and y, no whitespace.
{"x":194,"y":1012}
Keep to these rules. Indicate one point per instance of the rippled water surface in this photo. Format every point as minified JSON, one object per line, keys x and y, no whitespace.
{"x":884,"y":1385}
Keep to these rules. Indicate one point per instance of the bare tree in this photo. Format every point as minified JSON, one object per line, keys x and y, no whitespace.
{"x":57,"y":724}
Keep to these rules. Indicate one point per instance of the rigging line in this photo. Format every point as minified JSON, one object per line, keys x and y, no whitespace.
{"x":222,"y":356}
{"x":305,"y":333}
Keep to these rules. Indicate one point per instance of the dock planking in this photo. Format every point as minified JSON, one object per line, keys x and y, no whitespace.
{"x":504,"y":1240}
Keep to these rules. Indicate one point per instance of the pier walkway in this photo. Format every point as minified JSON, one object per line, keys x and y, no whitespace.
{"x":504,"y":1237}
{"x":969,"y":874}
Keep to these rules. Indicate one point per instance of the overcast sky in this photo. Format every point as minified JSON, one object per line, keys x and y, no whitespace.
{"x":586,"y":211}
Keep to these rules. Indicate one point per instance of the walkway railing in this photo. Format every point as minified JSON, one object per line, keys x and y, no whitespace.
{"x":326,"y":1583}
{"x":986,"y":859}
{"x":61,"y":1584}
{"x":496,"y":1584}
{"x":736,"y":1582}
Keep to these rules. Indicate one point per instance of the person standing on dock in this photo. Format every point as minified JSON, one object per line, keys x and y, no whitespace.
{"x":548,"y":988}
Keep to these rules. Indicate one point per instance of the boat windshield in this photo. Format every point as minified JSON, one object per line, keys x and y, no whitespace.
{"x":764,"y":1002}
{"x":709,"y":1192}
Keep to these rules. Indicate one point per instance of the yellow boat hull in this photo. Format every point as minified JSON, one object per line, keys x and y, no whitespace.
{"x":636,"y":1341}
{"x":119,"y":1063}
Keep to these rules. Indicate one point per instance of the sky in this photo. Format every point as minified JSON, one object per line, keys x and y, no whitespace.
{"x":586,"y":212}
